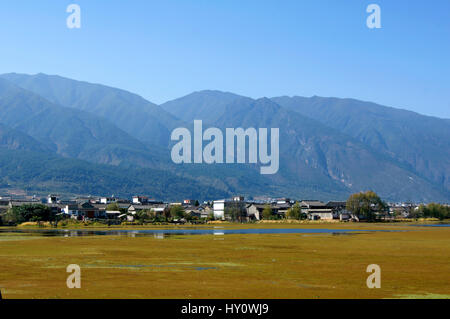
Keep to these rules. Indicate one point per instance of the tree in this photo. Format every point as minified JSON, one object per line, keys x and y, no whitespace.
{"x":235,"y":211}
{"x":197,"y":203}
{"x":12,"y":217}
{"x":417,"y":212}
{"x":366,"y":205}
{"x":232,"y":213}
{"x":434,"y":210}
{"x":165,"y":215}
{"x":113,"y":207}
{"x":267,"y":212}
{"x":177,"y":211}
{"x":145,"y":215}
{"x":294,"y":212}
{"x":26,"y":213}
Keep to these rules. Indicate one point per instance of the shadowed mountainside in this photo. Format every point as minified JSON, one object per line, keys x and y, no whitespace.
{"x":422,"y":143}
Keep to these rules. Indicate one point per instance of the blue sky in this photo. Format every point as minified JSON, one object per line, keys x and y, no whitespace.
{"x":166,"y":49}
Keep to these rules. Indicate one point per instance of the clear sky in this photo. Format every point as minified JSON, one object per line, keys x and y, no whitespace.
{"x":166,"y":49}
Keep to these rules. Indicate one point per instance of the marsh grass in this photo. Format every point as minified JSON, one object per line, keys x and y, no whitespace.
{"x":414,"y":263}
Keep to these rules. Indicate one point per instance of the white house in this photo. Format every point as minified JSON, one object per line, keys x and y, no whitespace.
{"x":140,"y":199}
{"x":219,"y":209}
{"x":107,"y":200}
{"x":282,"y":201}
{"x":71,"y":210}
{"x":52,"y":199}
{"x":219,"y":206}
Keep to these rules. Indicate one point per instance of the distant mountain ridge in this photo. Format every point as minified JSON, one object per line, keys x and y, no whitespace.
{"x":70,"y":132}
{"x":315,"y":156}
{"x":420,"y":142}
{"x":329,"y":148}
{"x":210,"y":105}
{"x":138,"y":117}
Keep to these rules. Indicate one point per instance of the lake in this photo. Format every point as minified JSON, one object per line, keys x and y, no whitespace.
{"x":160,"y":233}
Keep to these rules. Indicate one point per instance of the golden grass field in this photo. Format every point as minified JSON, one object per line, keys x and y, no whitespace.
{"x":414,"y":264}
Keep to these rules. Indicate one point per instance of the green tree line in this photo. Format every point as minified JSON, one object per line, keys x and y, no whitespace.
{"x":432,"y":210}
{"x":27,"y":213}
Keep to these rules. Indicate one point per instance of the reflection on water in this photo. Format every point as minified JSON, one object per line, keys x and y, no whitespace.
{"x":158,"y":235}
{"x":162,"y":233}
{"x":433,"y":225}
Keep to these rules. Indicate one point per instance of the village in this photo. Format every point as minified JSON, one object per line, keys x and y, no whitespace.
{"x":113,"y":210}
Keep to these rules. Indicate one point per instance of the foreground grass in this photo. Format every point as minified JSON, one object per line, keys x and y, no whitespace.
{"x":414,"y":264}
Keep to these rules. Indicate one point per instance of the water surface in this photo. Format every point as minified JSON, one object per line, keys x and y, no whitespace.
{"x":161,"y":233}
{"x":433,"y":225}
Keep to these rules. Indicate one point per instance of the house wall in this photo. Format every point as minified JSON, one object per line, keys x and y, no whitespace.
{"x":219,"y":209}
{"x":253,"y":211}
{"x":325,"y":216}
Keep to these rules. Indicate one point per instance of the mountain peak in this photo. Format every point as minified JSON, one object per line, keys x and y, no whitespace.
{"x":137,"y":116}
{"x":206,"y":104}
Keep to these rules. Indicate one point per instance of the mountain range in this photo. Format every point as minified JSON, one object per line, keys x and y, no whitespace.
{"x":67,"y":136}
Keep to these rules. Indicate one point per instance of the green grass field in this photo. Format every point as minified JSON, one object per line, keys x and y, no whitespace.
{"x":414,"y":264}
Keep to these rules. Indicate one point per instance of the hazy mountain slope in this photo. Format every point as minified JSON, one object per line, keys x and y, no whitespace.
{"x":133,"y":114}
{"x":317,"y":160}
{"x":207,"y":105}
{"x":321,"y":156}
{"x":70,"y":132}
{"x":420,"y":142}
{"x":16,"y":140}
{"x":77,"y":134}
{"x":43,"y":172}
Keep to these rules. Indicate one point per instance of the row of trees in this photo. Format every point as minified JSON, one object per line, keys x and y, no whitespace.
{"x":28,"y":213}
{"x":370,"y":206}
{"x":41,"y":213}
{"x":432,"y":210}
